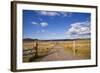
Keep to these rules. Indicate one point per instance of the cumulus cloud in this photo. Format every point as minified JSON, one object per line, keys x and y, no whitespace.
{"x":35,"y":23}
{"x":79,"y":29}
{"x":44,"y":24}
{"x":49,"y":13}
{"x":54,"y":13}
{"x":64,"y":14}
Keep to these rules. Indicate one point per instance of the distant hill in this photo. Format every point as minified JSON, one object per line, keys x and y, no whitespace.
{"x":29,"y":40}
{"x":32,"y":40}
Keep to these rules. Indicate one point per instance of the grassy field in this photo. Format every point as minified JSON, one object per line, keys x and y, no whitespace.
{"x":81,"y":48}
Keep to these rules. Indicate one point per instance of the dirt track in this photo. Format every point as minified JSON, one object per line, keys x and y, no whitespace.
{"x":58,"y":53}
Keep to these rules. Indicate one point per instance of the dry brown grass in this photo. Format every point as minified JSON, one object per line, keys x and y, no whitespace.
{"x":83,"y":49}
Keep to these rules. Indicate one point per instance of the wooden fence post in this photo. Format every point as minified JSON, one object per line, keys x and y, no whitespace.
{"x":36,"y":48}
{"x":74,"y":47}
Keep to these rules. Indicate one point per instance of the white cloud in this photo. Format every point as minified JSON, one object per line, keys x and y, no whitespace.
{"x":79,"y":29}
{"x":35,"y":23}
{"x":44,"y":24}
{"x":49,"y":13}
{"x":54,"y":13}
{"x":64,"y":14}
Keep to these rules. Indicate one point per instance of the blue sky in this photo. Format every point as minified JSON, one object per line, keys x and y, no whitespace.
{"x":55,"y":24}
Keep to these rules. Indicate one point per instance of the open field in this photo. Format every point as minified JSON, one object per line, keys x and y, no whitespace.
{"x":56,"y":50}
